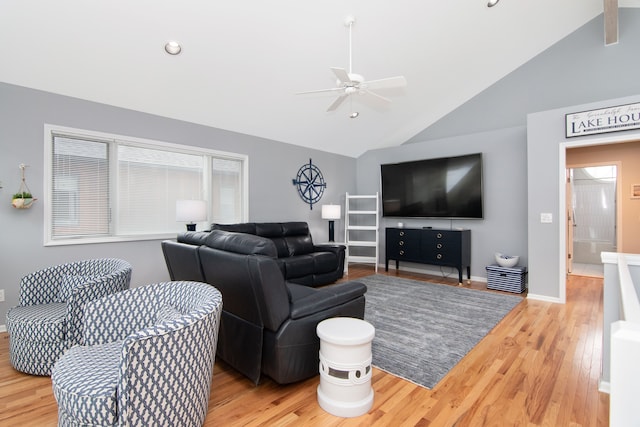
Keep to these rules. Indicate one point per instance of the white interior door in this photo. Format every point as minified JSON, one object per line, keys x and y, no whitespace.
{"x":570,"y":222}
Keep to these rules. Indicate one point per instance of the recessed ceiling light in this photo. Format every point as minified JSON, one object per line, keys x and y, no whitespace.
{"x":173,"y":47}
{"x":492,"y":3}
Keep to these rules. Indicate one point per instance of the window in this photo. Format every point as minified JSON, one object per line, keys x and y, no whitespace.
{"x":102,"y":187}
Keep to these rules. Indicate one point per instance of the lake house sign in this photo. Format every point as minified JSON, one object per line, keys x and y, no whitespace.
{"x":612,"y":119}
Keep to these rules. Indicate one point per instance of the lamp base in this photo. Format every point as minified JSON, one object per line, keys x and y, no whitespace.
{"x":191,"y":227}
{"x":331,"y":231}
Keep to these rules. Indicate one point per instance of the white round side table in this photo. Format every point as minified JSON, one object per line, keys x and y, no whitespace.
{"x":345,"y":366}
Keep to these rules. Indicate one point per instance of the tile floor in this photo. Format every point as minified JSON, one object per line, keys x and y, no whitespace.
{"x":580,"y":269}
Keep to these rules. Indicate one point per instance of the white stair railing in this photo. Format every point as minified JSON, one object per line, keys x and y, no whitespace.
{"x":625,"y":351}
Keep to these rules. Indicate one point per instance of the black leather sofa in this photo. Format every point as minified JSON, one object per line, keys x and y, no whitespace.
{"x":268,"y":325}
{"x":299,"y":259}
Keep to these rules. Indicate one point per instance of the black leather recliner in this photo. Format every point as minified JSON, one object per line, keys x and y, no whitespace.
{"x":299,"y":259}
{"x":268,"y":325}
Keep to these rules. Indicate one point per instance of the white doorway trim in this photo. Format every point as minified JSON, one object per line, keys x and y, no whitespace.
{"x":562,"y":165}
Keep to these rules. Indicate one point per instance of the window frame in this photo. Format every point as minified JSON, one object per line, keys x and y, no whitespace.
{"x":114,"y":141}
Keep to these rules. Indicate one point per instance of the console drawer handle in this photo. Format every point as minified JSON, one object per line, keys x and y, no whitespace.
{"x":402,"y":233}
{"x":401,"y":252}
{"x":439,"y":235}
{"x":401,"y":242}
{"x":439,"y":246}
{"x":439,"y":256}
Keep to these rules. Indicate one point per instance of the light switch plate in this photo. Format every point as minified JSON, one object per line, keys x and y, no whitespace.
{"x":546,"y":218}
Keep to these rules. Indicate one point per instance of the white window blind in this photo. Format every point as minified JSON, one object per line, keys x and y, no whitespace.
{"x":80,"y":190}
{"x":149,"y":183}
{"x":226,"y":184}
{"x":110,"y":188}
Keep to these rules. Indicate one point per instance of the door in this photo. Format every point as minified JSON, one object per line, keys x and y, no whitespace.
{"x":591,"y":217}
{"x":570,"y":222}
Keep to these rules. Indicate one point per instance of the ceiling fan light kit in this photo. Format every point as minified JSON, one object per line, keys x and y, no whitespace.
{"x":350,"y":83}
{"x":172,"y":47}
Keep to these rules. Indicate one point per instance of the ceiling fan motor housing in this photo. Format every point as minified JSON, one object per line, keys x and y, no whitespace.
{"x":356,"y":79}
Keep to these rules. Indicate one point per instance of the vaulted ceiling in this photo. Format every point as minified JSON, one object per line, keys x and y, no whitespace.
{"x":243,"y":61}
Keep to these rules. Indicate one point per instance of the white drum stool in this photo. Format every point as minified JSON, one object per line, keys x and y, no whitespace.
{"x":345,"y":366}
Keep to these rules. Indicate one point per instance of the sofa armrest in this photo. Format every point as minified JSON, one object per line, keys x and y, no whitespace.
{"x":306,"y":301}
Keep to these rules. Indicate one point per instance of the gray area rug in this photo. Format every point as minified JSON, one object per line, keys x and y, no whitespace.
{"x":423,"y":329}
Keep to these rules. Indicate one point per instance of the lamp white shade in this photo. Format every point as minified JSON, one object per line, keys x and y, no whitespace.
{"x":191,"y":210}
{"x":330,"y":211}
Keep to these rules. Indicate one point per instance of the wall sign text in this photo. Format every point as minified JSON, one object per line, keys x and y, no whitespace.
{"x":612,"y":119}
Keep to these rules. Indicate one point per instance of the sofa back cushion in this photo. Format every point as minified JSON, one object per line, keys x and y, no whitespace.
{"x":193,"y":237}
{"x":297,"y":238}
{"x":290,"y":238}
{"x":244,"y":227}
{"x":241,"y":243}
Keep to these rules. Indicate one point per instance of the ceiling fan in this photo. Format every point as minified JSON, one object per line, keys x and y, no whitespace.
{"x":349,"y":83}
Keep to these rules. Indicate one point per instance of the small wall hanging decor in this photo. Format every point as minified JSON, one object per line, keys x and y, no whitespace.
{"x":23,"y":198}
{"x":310,"y":183}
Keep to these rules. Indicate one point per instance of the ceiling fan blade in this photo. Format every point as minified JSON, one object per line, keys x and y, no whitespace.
{"x":333,"y":89}
{"x":375,"y":95}
{"x":341,"y":74}
{"x":388,"y":83}
{"x":335,"y":104}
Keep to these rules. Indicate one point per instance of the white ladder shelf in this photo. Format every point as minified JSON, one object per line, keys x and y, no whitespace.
{"x":361,"y":231}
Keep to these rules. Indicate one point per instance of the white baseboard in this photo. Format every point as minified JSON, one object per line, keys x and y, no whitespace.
{"x":604,"y":387}
{"x":433,"y":272}
{"x":544,"y":298}
{"x":3,"y":328}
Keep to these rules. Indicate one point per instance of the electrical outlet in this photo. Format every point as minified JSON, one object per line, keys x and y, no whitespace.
{"x":1,"y":295}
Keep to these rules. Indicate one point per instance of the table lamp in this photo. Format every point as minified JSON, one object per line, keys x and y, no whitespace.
{"x":191,"y":211}
{"x":331,"y":212}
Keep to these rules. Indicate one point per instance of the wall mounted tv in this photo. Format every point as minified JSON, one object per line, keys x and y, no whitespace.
{"x":449,"y":187}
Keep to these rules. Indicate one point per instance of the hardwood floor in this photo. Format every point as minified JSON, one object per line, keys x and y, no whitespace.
{"x":539,"y":367}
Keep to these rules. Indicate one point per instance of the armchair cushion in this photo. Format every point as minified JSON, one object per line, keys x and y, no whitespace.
{"x":89,"y":399}
{"x":42,"y":322}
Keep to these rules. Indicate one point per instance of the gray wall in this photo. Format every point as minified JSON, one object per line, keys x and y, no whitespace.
{"x":23,"y":113}
{"x":546,"y":150}
{"x":505,"y":193}
{"x":576,"y":70}
{"x":522,"y":149}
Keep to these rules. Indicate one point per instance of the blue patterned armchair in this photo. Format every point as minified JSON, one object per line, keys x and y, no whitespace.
{"x":147,"y":360}
{"x":48,"y":319}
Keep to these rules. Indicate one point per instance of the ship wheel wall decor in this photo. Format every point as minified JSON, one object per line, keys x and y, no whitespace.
{"x":310,"y":183}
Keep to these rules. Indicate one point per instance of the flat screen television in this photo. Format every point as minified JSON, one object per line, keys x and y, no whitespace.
{"x":448,"y":187}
